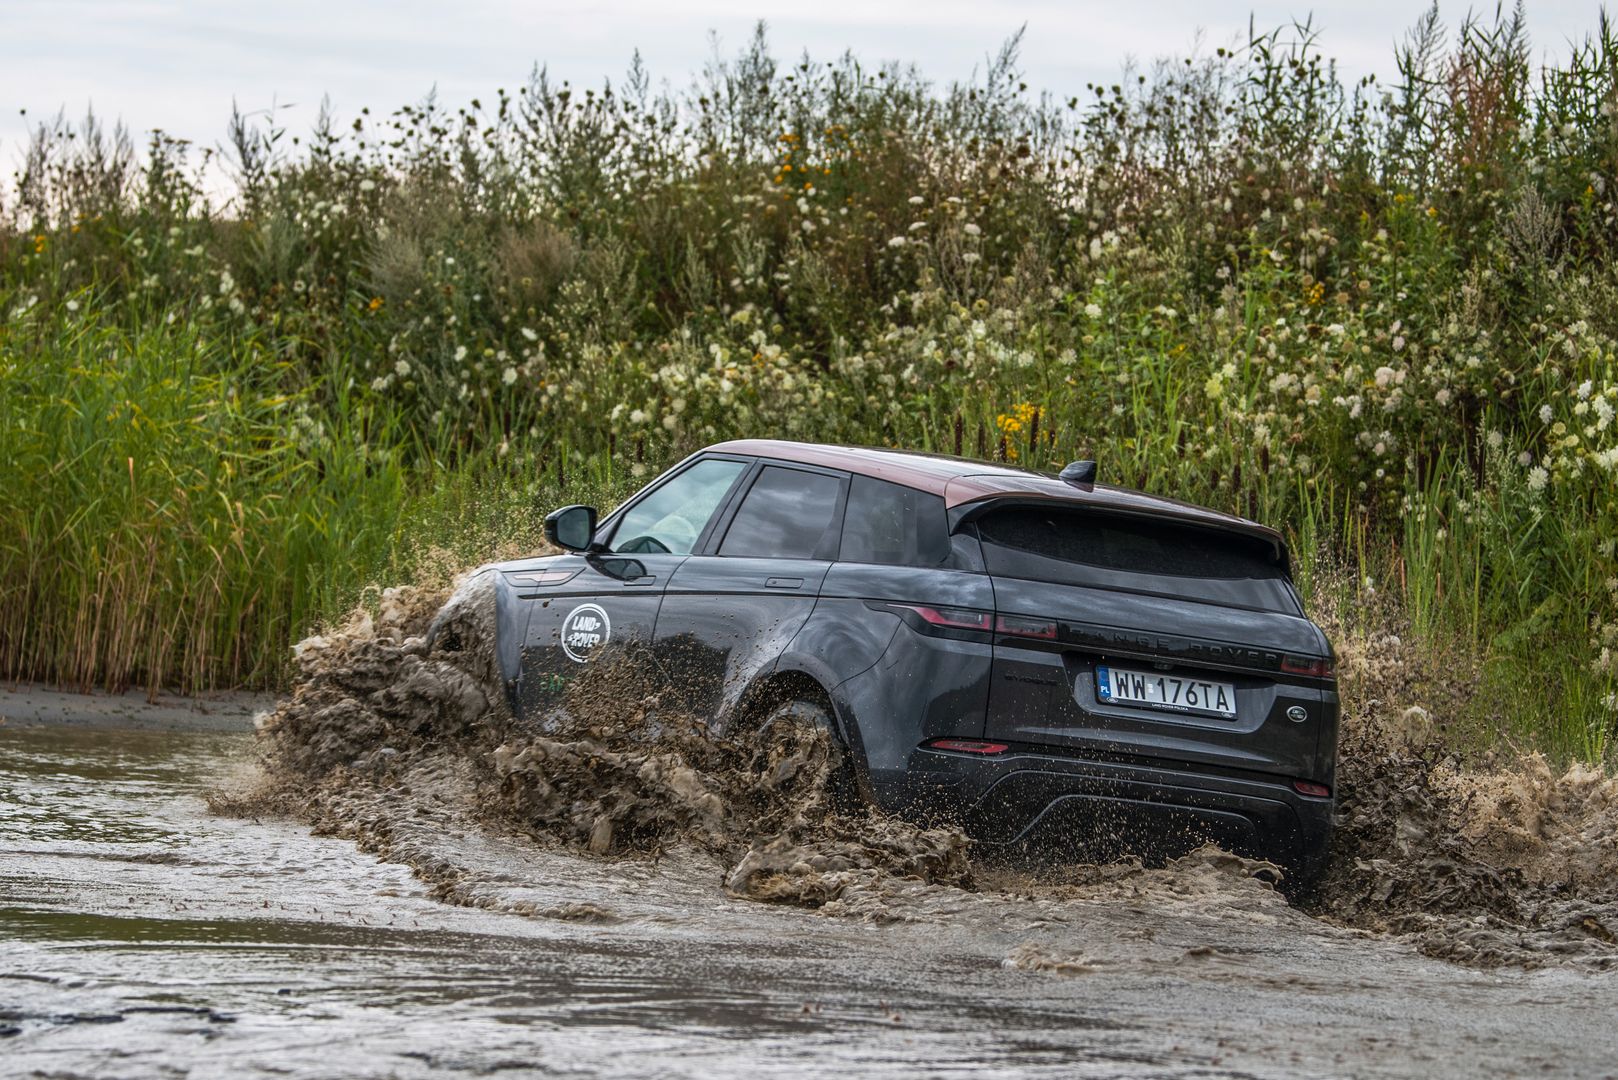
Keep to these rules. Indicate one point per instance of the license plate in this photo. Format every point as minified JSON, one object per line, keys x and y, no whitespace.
{"x":1172,"y":693}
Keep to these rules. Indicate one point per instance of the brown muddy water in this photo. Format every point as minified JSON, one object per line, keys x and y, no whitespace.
{"x":394,"y":878}
{"x":142,"y":935}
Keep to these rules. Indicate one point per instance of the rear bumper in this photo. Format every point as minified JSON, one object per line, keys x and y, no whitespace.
{"x":1033,"y":797}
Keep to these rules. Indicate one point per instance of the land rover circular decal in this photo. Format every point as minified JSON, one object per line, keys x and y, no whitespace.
{"x":585,"y":632}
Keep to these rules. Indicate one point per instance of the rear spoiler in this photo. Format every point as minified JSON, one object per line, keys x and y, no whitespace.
{"x":965,"y":513}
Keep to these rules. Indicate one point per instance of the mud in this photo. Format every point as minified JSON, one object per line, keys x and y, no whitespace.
{"x":382,"y":723}
{"x":1485,"y":864}
{"x":142,"y":936}
{"x":406,"y":746}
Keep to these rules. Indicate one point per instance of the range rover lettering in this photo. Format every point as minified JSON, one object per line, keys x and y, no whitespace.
{"x":1051,"y":662}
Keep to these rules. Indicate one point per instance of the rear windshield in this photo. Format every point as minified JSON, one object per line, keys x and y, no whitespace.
{"x":1079,"y":547}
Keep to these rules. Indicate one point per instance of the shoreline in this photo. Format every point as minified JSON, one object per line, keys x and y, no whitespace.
{"x":29,"y":705}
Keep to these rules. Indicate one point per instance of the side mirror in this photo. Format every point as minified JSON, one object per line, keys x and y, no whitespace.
{"x":571,"y":527}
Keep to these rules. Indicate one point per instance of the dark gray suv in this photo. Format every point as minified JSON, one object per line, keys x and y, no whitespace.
{"x":1048,"y":661}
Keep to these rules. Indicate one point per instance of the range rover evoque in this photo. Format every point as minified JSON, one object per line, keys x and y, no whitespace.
{"x":1049,"y":661}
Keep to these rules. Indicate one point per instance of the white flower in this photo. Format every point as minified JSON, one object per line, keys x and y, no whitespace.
{"x":1442,"y":397}
{"x":508,"y":376}
{"x":1545,"y":414}
{"x":1538,"y":478}
{"x":637,"y":417}
{"x":1093,"y":310}
{"x":379,"y":383}
{"x":916,"y":200}
{"x":971,"y":229}
{"x":914,"y":225}
{"x":1584,"y":389}
{"x":1604,"y":413}
{"x":529,"y":334}
{"x":897,"y":242}
{"x":1095,"y":248}
{"x":1398,"y":342}
{"x":970,"y":257}
{"x":1384,"y":376}
{"x":402,"y":368}
{"x":72,"y":305}
{"x":367,"y":184}
{"x":460,"y":353}
{"x":1495,"y":439}
{"x":1335,"y":329}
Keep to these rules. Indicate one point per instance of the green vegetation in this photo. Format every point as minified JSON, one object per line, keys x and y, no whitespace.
{"x":1382,"y":319}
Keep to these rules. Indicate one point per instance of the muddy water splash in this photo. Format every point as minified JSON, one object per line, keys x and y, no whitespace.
{"x":382,"y":722}
{"x":1514,"y":864}
{"x":390,"y":739}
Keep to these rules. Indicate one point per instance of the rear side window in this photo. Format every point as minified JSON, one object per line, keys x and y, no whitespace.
{"x":893,"y":525}
{"x":1077,"y":547}
{"x":786,"y":514}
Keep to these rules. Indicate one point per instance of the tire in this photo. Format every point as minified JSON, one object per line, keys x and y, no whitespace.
{"x":796,"y":743}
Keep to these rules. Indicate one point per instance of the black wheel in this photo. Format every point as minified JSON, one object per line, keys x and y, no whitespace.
{"x":797,"y":750}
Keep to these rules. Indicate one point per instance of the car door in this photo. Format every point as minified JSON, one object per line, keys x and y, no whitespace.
{"x":730,"y":610}
{"x":583,"y":606}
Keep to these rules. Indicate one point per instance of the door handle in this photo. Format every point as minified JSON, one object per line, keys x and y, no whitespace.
{"x":783,"y":583}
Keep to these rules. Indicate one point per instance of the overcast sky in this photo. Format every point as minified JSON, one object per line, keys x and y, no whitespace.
{"x":177,"y":64}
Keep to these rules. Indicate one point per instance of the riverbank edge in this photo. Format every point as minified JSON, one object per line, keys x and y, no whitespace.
{"x":36,"y":705}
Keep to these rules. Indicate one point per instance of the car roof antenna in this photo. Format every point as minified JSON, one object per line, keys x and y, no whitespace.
{"x":1079,"y":473}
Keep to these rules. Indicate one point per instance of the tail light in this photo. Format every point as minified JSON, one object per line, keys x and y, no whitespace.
{"x":1034,"y":628}
{"x":968,"y":619}
{"x":1315,"y":667}
{"x":968,"y":746}
{"x":1306,"y":787}
{"x":952,"y":618}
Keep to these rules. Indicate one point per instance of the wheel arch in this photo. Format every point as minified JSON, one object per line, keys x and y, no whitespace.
{"x":796,"y":677}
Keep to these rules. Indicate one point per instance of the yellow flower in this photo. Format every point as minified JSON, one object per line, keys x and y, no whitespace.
{"x":375,"y":305}
{"x":1020,"y":417}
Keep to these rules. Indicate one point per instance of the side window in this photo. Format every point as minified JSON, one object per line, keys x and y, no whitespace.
{"x":671,"y":518}
{"x":785,"y":515}
{"x":893,"y":525}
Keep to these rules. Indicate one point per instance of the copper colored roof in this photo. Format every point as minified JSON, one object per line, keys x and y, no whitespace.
{"x":962,"y":482}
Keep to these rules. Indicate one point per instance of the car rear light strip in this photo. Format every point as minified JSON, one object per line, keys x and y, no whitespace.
{"x":952,"y":618}
{"x":968,"y":746}
{"x":968,"y":619}
{"x":1315,"y":667}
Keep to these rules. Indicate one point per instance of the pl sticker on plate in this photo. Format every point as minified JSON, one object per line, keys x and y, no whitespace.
{"x":585,"y":632}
